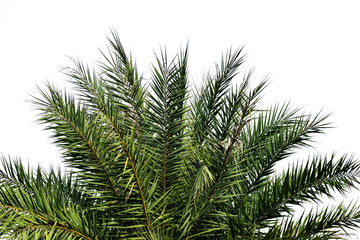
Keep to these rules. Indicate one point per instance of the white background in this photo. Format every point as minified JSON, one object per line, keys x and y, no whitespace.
{"x":310,"y":50}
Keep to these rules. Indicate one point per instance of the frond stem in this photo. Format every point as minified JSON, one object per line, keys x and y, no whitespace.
{"x":74,"y":232}
{"x":23,"y":210}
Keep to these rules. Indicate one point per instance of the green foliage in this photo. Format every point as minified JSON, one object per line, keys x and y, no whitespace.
{"x":159,"y":161}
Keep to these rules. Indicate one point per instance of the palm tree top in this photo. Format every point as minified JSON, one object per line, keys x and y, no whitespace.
{"x":163,"y":161}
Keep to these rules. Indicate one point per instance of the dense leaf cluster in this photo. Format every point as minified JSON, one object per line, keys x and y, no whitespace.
{"x":159,"y":161}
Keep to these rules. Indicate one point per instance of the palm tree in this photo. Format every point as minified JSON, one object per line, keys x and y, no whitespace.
{"x":158,"y":161}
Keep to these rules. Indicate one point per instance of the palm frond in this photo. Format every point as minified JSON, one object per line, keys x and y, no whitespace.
{"x":319,"y":177}
{"x":33,"y":204}
{"x":207,"y":104}
{"x":326,"y":223}
{"x":273,"y":136}
{"x":167,"y":114}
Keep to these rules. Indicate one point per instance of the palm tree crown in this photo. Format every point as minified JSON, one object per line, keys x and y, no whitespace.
{"x":158,"y":161}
